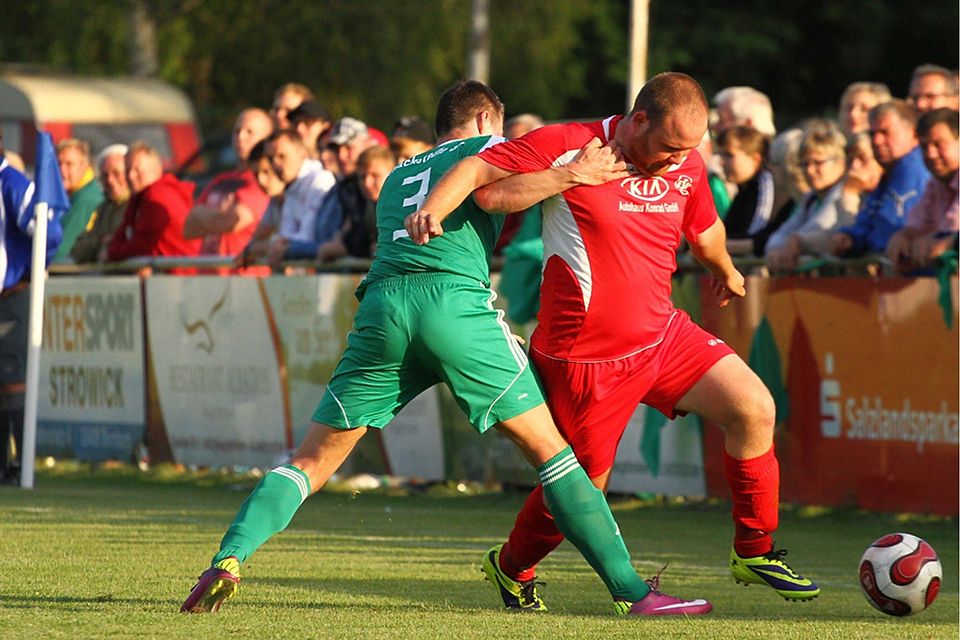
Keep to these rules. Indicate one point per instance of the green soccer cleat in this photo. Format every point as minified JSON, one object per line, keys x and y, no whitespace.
{"x":516,"y":596}
{"x":771,"y":570}
{"x":215,"y":585}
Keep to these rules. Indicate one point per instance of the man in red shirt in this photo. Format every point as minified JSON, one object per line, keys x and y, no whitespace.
{"x":228,"y":209}
{"x":153,"y":221}
{"x":609,"y":336}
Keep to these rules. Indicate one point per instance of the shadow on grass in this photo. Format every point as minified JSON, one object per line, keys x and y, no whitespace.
{"x":68,"y":603}
{"x":464,"y":597}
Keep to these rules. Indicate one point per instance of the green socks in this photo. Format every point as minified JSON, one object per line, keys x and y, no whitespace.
{"x":266,"y":511}
{"x":583,"y":516}
{"x":580,"y":510}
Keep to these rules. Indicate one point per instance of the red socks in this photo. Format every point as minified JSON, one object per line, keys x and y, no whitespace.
{"x":533,"y":537}
{"x":755,"y":487}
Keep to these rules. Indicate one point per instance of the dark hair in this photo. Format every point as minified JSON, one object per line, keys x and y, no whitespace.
{"x":258,"y":152}
{"x":668,"y":91}
{"x":748,"y":139}
{"x":931,"y":119}
{"x":463,"y":101}
{"x":413,"y":128}
{"x":308,"y":111}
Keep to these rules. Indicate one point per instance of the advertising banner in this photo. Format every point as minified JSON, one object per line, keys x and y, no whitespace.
{"x":91,"y":383}
{"x":217,"y":370}
{"x":866,"y":376}
{"x":313,"y":315}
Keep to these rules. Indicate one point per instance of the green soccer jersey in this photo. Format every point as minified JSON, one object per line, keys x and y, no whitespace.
{"x":469,"y":233}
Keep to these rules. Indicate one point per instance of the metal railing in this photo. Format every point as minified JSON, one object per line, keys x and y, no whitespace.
{"x":873,"y":264}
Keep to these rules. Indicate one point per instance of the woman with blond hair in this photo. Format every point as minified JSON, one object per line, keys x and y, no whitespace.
{"x":822,"y":157}
{"x":856,"y":102}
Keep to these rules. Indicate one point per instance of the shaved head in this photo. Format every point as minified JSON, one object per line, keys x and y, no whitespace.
{"x":671,"y":92}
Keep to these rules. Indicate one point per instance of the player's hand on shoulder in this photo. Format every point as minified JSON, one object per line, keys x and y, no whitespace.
{"x":421,"y":226}
{"x":598,"y":163}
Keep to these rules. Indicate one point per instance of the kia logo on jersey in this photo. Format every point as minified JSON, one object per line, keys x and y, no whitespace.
{"x":648,"y":189}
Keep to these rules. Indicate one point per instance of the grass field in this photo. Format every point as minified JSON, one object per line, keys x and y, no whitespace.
{"x":111,"y":554}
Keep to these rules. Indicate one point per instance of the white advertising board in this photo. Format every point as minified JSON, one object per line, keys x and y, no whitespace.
{"x":91,"y":382}
{"x":216,"y":367}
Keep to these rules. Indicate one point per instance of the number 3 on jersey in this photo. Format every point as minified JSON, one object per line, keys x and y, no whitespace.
{"x":416,"y":199}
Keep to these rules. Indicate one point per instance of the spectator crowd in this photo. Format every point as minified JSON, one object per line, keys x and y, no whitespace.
{"x":880,"y":179}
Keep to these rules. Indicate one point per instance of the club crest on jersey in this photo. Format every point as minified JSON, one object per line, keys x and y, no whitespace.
{"x":646,"y":189}
{"x":683,"y":185}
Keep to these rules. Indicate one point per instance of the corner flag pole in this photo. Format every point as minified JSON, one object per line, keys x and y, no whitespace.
{"x":50,"y":200}
{"x":37,"y":282}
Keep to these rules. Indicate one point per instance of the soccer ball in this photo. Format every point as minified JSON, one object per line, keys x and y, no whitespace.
{"x":900,"y":574}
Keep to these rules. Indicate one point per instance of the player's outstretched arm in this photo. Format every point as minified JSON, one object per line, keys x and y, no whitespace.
{"x":710,"y":250}
{"x":453,"y":188}
{"x":594,"y":164}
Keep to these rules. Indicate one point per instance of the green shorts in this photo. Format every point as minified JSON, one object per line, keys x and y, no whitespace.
{"x":414,"y":331}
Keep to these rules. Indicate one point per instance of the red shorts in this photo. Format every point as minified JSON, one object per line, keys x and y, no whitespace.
{"x":592,"y":402}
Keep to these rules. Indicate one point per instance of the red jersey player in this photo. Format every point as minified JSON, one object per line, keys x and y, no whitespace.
{"x":608,"y":336}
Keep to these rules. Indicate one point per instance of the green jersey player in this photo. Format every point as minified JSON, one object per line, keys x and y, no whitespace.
{"x":426,"y":316}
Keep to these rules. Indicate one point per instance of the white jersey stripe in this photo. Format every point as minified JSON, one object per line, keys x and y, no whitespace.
{"x":606,"y":128}
{"x":632,"y":353}
{"x":486,"y":416}
{"x":562,"y":238}
{"x":346,"y":418}
{"x":519,"y":355}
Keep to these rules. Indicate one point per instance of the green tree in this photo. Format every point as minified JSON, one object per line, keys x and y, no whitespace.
{"x":379,"y":59}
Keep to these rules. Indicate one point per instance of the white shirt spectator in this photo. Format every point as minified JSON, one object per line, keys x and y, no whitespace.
{"x":302,"y":200}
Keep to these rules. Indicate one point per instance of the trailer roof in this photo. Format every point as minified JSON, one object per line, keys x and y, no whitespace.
{"x":55,"y":98}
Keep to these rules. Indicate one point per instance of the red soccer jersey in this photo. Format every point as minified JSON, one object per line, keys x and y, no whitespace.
{"x":609,"y":250}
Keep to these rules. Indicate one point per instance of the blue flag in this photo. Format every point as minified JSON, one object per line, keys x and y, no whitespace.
{"x":49,"y":189}
{"x":47,"y":178}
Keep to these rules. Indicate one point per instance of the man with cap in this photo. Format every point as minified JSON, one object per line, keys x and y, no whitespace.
{"x":350,"y":137}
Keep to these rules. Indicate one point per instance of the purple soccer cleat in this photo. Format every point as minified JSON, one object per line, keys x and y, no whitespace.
{"x":656,"y":603}
{"x":218,"y":583}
